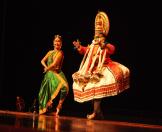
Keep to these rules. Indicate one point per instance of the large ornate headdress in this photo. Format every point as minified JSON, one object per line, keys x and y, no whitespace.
{"x":102,"y":23}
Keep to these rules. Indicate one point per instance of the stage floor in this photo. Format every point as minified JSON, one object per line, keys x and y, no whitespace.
{"x":11,"y":121}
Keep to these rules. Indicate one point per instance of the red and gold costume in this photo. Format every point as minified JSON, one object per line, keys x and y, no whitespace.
{"x":98,"y":76}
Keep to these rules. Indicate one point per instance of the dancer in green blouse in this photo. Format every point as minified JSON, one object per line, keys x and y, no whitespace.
{"x":54,"y":79}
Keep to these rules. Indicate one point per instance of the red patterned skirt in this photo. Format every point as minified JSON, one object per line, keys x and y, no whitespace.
{"x":112,"y":80}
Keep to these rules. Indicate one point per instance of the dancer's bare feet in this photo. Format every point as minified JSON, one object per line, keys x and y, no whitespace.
{"x":91,"y":116}
{"x":57,"y":112}
{"x":95,"y":116}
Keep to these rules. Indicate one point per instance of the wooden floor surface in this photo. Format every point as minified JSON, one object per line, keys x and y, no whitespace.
{"x":28,"y":122}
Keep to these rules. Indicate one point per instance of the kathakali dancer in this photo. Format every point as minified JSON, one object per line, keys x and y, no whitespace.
{"x":98,"y":76}
{"x":54,"y":81}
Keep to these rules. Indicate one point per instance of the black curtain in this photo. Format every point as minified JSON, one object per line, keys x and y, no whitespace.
{"x":27,"y":29}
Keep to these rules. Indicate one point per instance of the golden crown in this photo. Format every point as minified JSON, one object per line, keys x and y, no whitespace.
{"x":102,"y":23}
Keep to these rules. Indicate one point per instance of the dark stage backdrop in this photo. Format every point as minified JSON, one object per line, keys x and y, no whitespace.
{"x":27,"y":29}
